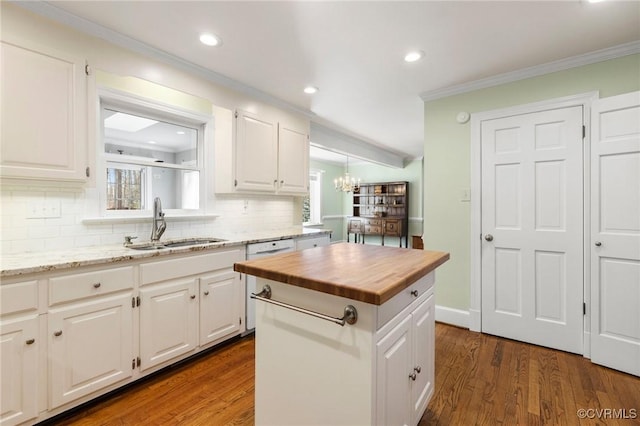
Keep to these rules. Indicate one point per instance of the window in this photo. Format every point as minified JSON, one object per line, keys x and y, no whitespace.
{"x":150,"y":151}
{"x":311,"y":206}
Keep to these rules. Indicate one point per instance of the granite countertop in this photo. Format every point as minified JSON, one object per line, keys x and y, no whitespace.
{"x":367,"y":273}
{"x":27,"y":263}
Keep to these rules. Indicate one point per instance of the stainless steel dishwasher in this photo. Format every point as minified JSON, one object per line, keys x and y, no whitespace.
{"x":257,"y":251}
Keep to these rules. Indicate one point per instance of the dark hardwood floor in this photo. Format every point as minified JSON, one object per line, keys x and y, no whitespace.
{"x":480,"y":380}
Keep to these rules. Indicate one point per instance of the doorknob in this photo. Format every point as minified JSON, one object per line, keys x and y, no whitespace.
{"x":598,"y":243}
{"x":488,"y":237}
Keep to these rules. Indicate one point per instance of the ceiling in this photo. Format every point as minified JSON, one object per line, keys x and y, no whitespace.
{"x":353,"y":51}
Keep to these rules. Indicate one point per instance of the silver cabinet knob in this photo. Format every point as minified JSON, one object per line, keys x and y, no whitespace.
{"x":418,"y":369}
{"x":206,"y":292}
{"x":488,"y":237}
{"x":30,"y":341}
{"x":413,"y":376}
{"x":57,"y":333}
{"x":193,"y":296}
{"x":414,"y":293}
{"x":97,"y":285}
{"x":598,"y":243}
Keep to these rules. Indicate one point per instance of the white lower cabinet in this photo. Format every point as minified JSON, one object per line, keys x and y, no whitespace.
{"x":383,"y":365}
{"x":405,"y":362}
{"x":220,"y":300}
{"x":19,"y":345}
{"x":168,"y":314}
{"x":69,"y":337}
{"x":90,"y":346}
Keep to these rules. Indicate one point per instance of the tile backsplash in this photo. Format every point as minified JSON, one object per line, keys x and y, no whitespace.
{"x":45,"y":219}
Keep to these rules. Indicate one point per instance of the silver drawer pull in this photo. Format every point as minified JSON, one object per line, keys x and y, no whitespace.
{"x":350,"y":313}
{"x":414,"y":293}
{"x":97,"y":285}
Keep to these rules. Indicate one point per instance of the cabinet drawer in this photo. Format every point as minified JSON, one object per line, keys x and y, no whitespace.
{"x":374,"y":222}
{"x":305,"y":243}
{"x":368,"y":229}
{"x":397,"y":303}
{"x":88,"y":284}
{"x":18,"y":297}
{"x":355,"y":226}
{"x":190,"y":265}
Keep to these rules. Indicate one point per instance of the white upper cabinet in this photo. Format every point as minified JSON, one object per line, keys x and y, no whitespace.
{"x":256,"y":153}
{"x":268,"y":156}
{"x":43,"y":113}
{"x":293,"y":160}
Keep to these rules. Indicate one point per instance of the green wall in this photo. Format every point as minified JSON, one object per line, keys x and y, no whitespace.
{"x":447,"y":156}
{"x":338,"y":205}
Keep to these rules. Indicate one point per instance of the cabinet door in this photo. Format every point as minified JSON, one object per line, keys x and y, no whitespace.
{"x":90,"y":347}
{"x":423,"y":341}
{"x":43,"y":113}
{"x":168,"y":321}
{"x":293,"y":161}
{"x":393,"y":381}
{"x":219,"y":306}
{"x":256,"y":154}
{"x":19,"y":362}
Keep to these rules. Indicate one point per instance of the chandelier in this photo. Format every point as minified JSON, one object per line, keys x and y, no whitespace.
{"x":347,"y":183}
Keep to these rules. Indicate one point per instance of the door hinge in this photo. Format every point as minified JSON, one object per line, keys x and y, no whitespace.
{"x":584,"y":308}
{"x":87,"y":171}
{"x":138,"y":362}
{"x":584,"y":132}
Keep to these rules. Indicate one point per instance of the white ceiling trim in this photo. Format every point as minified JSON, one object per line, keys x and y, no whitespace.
{"x":535,"y":71}
{"x":336,"y":141}
{"x":59,"y":15}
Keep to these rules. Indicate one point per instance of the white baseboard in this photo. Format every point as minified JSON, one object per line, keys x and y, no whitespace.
{"x":452,"y":316}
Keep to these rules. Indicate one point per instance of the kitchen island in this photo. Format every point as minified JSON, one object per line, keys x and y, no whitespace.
{"x":345,"y":335}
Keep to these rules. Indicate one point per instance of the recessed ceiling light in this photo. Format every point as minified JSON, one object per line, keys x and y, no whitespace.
{"x":210,"y":39}
{"x":310,"y":90}
{"x":180,"y":132}
{"x":414,"y":56}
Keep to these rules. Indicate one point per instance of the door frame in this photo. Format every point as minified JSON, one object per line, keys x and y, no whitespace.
{"x":585,"y":100}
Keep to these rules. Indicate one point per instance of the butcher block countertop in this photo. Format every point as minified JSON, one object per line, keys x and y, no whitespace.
{"x":367,"y":273}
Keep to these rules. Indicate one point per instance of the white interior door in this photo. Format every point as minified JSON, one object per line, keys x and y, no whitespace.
{"x":532,"y":228}
{"x":615,"y":232}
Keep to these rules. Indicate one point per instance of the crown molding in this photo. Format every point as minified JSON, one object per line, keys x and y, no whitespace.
{"x":50,"y":11}
{"x":619,"y":51}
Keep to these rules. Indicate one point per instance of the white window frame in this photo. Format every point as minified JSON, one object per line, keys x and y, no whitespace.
{"x":134,"y":104}
{"x":315,"y":197}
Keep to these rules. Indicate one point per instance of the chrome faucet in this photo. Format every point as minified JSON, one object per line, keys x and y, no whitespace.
{"x":159,"y":225}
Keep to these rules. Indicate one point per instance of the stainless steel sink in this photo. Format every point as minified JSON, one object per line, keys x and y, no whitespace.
{"x":174,"y":243}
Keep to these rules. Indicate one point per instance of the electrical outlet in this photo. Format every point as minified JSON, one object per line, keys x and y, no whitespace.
{"x":43,"y":209}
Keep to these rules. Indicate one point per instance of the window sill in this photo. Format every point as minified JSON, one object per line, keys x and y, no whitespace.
{"x":136,"y":219}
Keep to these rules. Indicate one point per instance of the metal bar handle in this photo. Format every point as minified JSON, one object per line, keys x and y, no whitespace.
{"x":350,"y":313}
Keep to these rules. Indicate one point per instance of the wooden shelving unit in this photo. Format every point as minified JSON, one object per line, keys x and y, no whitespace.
{"x":380,"y":209}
